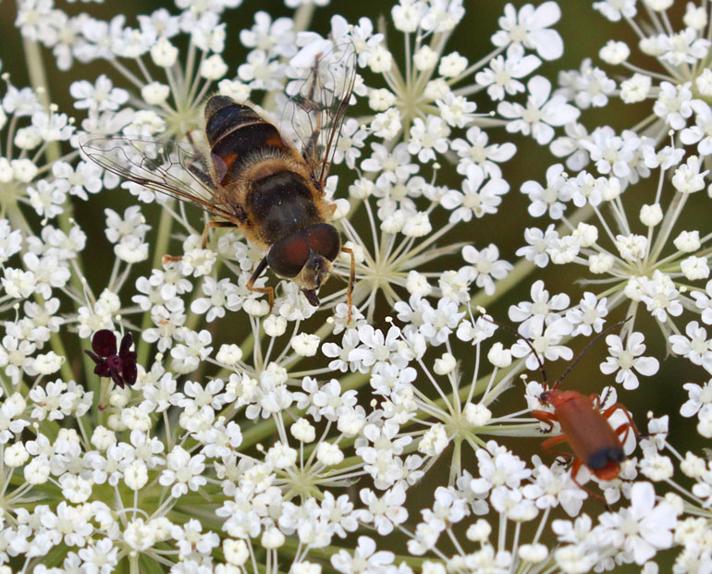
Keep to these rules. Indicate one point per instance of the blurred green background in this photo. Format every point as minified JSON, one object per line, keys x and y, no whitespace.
{"x":584,"y":32}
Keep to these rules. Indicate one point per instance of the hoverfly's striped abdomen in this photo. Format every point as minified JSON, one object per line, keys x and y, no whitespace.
{"x":235,"y":131}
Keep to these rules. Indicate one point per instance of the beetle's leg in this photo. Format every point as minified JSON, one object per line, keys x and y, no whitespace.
{"x":255,"y":276}
{"x":575,"y":467}
{"x":578,"y":463}
{"x":352,"y":280}
{"x":623,"y":429}
{"x":553,"y":441}
{"x":596,"y":400}
{"x":613,"y":408}
{"x":604,"y":396}
{"x":547,"y":418}
{"x":564,"y":458}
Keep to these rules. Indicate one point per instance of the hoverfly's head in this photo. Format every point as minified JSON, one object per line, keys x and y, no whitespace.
{"x":306,"y":257}
{"x":315,"y":272}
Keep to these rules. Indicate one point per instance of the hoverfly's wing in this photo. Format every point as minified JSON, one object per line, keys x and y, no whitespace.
{"x":318,"y":103}
{"x":168,"y":169}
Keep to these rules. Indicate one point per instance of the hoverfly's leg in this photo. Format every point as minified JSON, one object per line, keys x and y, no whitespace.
{"x":352,"y":280}
{"x":171,"y":259}
{"x":309,"y":152}
{"x":210,"y":225}
{"x":203,"y":239}
{"x":315,"y":77}
{"x":255,"y":276}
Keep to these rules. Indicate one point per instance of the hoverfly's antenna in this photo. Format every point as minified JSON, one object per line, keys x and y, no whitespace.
{"x":586,"y":349}
{"x":518,"y":336}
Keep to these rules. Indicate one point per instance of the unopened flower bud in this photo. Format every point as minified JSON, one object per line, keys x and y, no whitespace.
{"x":695,"y":268}
{"x":614,"y":53}
{"x":600,"y":263}
{"x":229,"y":354}
{"x":155,"y":93}
{"x":303,"y":431}
{"x":15,"y":455}
{"x":434,"y":441}
{"x":305,"y":345}
{"x":136,"y":475}
{"x":533,"y":552}
{"x":164,"y":54}
{"x":329,"y":454}
{"x":651,"y":215}
{"x":425,"y":59}
{"x":477,"y":415}
{"x":479,"y":531}
{"x":445,"y":364}
{"x":499,"y":356}
{"x":236,"y":552}
{"x":688,"y":241}
{"x":272,"y":538}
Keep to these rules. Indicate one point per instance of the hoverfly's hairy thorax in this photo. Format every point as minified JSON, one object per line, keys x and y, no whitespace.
{"x":264,"y":163}
{"x":280,"y":204}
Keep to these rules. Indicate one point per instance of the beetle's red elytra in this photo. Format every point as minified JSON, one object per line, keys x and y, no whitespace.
{"x":595,"y":444}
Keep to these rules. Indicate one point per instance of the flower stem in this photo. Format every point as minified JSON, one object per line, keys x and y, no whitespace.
{"x":53,"y":152}
{"x":165,"y":226}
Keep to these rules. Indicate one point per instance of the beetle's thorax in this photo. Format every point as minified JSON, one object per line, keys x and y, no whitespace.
{"x":555,"y":397}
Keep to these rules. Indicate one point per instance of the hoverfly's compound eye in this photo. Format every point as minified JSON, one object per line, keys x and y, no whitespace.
{"x":287,"y":257}
{"x":323,"y":239}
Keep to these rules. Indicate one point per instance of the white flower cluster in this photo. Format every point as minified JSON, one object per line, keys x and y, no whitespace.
{"x":647,"y":254}
{"x":157,"y":414}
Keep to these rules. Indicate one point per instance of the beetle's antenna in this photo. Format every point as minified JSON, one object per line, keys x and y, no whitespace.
{"x":586,"y":349}
{"x":518,"y":336}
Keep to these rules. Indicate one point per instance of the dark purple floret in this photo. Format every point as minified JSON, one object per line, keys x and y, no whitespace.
{"x":121,"y":366}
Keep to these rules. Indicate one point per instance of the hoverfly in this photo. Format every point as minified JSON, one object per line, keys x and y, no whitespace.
{"x":255,"y":179}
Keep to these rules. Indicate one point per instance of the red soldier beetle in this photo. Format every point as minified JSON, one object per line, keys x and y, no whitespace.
{"x":594,"y":442}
